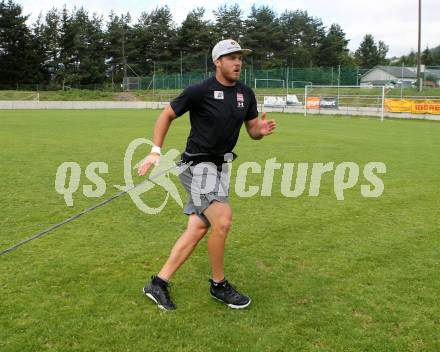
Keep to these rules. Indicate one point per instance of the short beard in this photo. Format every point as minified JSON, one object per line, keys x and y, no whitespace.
{"x":229,"y":78}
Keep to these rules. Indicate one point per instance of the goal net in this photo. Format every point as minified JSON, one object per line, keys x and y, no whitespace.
{"x":131,"y":83}
{"x":332,"y":100}
{"x":299,"y":84}
{"x":267,"y":83}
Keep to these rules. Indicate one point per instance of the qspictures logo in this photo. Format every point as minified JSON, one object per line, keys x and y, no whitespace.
{"x":297,"y":179}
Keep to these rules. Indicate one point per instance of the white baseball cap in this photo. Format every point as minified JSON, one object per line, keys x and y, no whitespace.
{"x":227,"y":46}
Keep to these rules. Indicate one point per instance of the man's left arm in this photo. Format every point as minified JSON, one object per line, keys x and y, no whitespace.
{"x":258,"y":128}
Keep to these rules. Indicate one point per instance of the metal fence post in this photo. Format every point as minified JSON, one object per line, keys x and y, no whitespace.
{"x":305,"y":101}
{"x":383,"y":104}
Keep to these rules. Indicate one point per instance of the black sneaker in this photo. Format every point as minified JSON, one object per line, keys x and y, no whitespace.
{"x":226,"y":293}
{"x":158,"y":292}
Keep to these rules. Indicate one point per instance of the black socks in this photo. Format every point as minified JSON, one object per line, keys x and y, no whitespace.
{"x":219,"y":283}
{"x":158,"y":281}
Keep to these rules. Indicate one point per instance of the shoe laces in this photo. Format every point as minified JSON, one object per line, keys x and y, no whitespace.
{"x":231,"y":289}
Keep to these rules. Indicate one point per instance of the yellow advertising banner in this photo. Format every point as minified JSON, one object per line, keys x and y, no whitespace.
{"x":413,"y":106}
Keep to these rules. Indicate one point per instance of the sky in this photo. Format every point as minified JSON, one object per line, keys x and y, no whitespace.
{"x":392,"y":21}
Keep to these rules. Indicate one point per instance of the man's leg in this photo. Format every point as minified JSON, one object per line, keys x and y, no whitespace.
{"x":220,"y":216}
{"x":157,"y":288}
{"x":184,"y":246}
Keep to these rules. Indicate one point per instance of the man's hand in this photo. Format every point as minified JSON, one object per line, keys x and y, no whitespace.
{"x":152,"y":158}
{"x":258,"y":128}
{"x":266,"y":126}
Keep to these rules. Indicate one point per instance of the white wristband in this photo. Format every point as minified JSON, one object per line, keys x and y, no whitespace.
{"x":155,"y":149}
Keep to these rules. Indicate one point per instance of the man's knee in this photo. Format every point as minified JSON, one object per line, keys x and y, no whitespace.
{"x":201,"y":231}
{"x":222,"y":225}
{"x":197,"y":232}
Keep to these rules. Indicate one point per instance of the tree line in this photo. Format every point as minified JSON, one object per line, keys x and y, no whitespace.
{"x":73,"y":46}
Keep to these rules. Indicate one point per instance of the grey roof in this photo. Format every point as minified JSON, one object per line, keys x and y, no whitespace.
{"x":408,"y":72}
{"x":433,"y":72}
{"x":396,"y":71}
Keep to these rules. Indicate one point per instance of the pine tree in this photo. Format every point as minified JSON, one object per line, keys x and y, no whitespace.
{"x":229,"y":22}
{"x":119,"y":41}
{"x":371,"y":54}
{"x":67,"y":71}
{"x":195,"y":40}
{"x":40,"y":50}
{"x":436,"y":56}
{"x":20,"y":60}
{"x":47,"y":33}
{"x":154,"y":38}
{"x":263,"y":36}
{"x":333,"y":50}
{"x":83,"y":48}
{"x":427,"y":57}
{"x":382,"y":51}
{"x":302,"y":38}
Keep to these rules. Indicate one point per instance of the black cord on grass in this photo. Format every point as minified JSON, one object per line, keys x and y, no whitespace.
{"x":85,"y":211}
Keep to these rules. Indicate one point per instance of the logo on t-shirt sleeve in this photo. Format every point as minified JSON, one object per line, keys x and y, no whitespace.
{"x":218,"y":94}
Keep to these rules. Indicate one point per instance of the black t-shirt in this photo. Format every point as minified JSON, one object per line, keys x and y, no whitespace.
{"x":216,"y":115}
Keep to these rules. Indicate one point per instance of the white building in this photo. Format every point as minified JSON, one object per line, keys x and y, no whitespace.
{"x":383,"y":75}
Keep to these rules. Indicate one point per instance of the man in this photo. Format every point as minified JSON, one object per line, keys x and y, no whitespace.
{"x":218,"y":107}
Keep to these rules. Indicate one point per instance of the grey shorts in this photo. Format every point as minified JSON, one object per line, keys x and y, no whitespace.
{"x":204,"y":184}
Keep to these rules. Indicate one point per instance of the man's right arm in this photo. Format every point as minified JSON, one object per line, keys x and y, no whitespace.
{"x":160,"y":130}
{"x":162,"y":124}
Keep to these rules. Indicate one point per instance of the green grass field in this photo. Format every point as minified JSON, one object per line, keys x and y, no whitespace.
{"x":324,"y":275}
{"x":167,"y":95}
